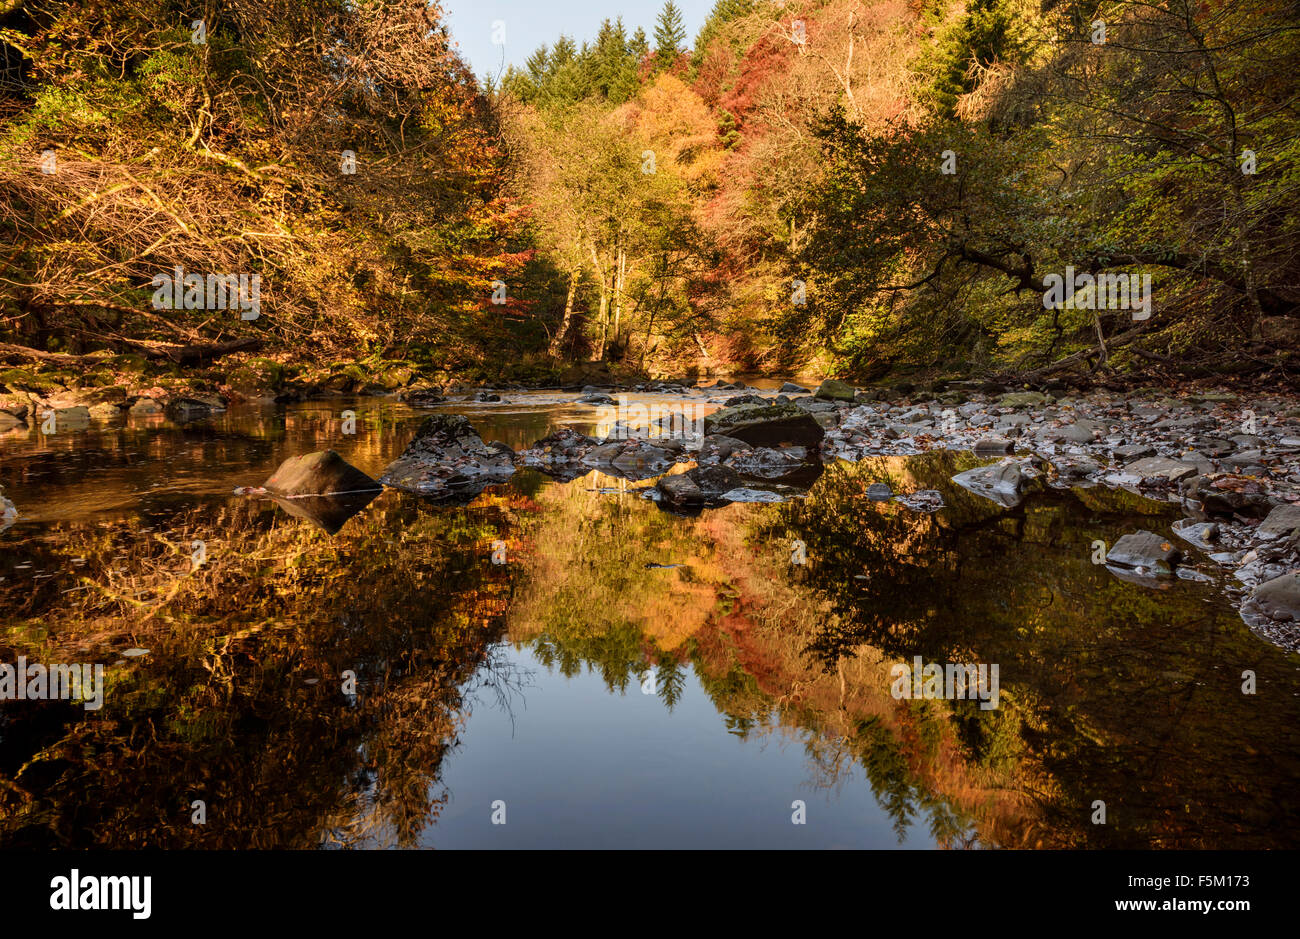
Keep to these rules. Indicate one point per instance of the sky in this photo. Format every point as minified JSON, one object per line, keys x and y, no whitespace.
{"x":529,"y":23}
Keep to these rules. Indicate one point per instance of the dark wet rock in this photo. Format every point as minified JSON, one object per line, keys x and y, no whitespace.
{"x":814,"y":406}
{"x":1004,"y":483}
{"x":767,"y":425}
{"x":422,"y":397}
{"x":485,"y":397}
{"x":1228,"y":494}
{"x":1145,"y":550}
{"x":879,"y":492}
{"x":772,"y":462}
{"x":448,"y":454}
{"x":560,"y":454}
{"x":636,"y":458}
{"x":679,"y":492}
{"x":596,"y":397}
{"x":744,"y":399}
{"x":322,"y":473}
{"x":1160,"y":468}
{"x":715,"y":480}
{"x":1133,"y":451}
{"x":998,"y":445}
{"x":718,"y":447}
{"x":790,"y":388}
{"x":184,"y":410}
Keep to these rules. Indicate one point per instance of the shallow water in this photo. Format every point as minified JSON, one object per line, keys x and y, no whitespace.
{"x":626,"y":678}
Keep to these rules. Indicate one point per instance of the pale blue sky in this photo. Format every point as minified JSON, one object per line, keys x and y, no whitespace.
{"x":529,"y":23}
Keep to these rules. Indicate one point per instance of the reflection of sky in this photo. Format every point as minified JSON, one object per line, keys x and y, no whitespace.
{"x":578,"y":766}
{"x":528,"y":24}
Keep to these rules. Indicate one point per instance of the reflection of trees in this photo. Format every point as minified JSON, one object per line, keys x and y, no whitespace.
{"x":587,"y":599}
{"x":222,"y":708}
{"x":1119,"y":693}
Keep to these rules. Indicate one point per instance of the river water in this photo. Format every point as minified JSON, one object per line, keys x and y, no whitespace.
{"x":565,"y":665}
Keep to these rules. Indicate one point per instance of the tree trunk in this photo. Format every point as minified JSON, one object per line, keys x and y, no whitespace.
{"x":568,"y":315}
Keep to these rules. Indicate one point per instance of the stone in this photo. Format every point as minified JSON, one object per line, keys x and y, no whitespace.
{"x":323,"y":473}
{"x":1003,"y":482}
{"x":1281,"y":522}
{"x":1144,"y":549}
{"x":833,"y":390}
{"x":448,"y":454}
{"x":999,"y":445}
{"x":679,"y":491}
{"x":1277,"y":600}
{"x":767,"y":425}
{"x":145,"y":407}
{"x":1022,"y":399}
{"x":718,"y":447}
{"x":1133,"y":451}
{"x":1159,"y":467}
{"x":790,"y":388}
{"x":714,"y":481}
{"x":879,"y":492}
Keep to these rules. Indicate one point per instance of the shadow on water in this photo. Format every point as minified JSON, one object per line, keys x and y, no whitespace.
{"x":311,"y":688}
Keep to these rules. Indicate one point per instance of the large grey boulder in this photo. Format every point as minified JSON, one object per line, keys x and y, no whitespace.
{"x":766,"y":425}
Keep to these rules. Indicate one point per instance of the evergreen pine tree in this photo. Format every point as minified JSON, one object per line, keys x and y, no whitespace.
{"x":670,"y":35}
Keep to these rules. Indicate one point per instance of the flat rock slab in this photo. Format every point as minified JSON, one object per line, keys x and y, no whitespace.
{"x":1282,"y":521}
{"x":323,"y":473}
{"x":1144,"y":549}
{"x":1159,"y":467}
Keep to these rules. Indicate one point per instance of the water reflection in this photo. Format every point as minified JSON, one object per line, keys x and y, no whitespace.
{"x":366,"y":675}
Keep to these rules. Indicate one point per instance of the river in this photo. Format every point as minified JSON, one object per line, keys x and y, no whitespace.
{"x":566,"y":665}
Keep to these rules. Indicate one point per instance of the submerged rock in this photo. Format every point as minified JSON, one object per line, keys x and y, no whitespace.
{"x":323,"y":473}
{"x":448,"y":457}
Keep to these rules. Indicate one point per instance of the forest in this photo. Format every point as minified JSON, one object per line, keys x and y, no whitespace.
{"x":881,"y":192}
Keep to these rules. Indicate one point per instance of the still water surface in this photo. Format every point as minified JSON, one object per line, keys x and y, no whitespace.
{"x":628,"y":678}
